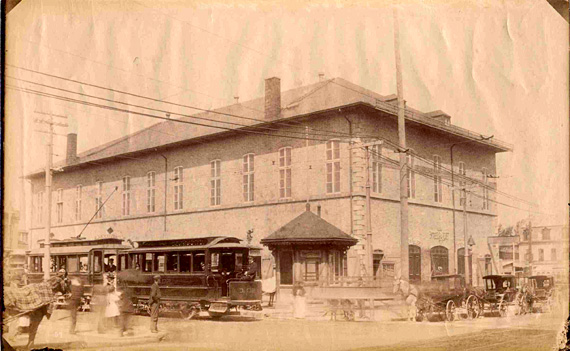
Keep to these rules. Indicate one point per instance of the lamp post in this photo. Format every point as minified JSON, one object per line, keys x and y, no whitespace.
{"x":464,"y":207}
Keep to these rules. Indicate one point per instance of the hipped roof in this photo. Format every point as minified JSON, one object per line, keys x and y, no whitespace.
{"x":308,"y":228}
{"x":303,"y":101}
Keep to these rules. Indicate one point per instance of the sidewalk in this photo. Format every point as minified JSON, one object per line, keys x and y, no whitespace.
{"x":53,"y":333}
{"x":318,"y":311}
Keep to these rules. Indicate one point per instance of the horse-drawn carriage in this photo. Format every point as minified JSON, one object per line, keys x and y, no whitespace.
{"x":446,"y":295}
{"x":540,"y":292}
{"x":500,"y":293}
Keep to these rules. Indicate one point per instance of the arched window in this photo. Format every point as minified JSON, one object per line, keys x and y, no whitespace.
{"x":439,"y":260}
{"x":415,"y":254}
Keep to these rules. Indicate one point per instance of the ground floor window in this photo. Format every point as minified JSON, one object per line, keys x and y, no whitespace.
{"x":415,"y":263}
{"x":440,"y":260}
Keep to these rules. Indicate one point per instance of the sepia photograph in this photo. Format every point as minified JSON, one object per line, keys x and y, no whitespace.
{"x":285,"y":175}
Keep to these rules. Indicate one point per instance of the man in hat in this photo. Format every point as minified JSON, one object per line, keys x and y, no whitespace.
{"x":154,"y":304}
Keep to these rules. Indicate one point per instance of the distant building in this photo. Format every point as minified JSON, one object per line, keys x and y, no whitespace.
{"x":549,"y":250}
{"x":15,"y":242}
{"x":194,"y":177}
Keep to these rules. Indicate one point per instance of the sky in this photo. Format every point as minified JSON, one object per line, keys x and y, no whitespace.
{"x":496,"y":67}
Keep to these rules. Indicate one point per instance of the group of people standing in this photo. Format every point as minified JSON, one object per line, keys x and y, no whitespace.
{"x":111,"y":303}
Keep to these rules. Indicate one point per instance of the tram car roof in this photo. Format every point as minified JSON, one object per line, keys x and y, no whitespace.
{"x":201,"y":243}
{"x":74,"y":245}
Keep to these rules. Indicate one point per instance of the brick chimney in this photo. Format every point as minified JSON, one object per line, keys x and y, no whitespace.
{"x":71,"y":155}
{"x":272,"y":98}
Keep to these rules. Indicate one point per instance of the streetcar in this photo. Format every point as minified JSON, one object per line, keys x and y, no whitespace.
{"x":85,"y":259}
{"x":197,"y":275}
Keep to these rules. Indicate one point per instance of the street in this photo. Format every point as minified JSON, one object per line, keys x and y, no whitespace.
{"x":529,"y":332}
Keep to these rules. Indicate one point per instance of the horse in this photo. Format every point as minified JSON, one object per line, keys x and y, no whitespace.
{"x":410,"y":293}
{"x":35,"y":301}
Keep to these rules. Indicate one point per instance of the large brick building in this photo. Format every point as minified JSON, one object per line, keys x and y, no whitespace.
{"x":178,"y":179}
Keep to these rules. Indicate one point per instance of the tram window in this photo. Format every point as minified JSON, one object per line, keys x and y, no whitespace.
{"x":136,"y":261}
{"x":83,"y":264}
{"x":226,"y":262}
{"x":123,"y":262}
{"x":239,"y":261}
{"x":36,"y":264}
{"x":61,"y":263}
{"x":172,"y":262}
{"x":159,"y":262}
{"x":198,"y":262}
{"x":215,"y":261}
{"x":97,"y":261}
{"x":147,"y":262}
{"x":185,"y":262}
{"x":52,"y":265}
{"x":72,"y":264}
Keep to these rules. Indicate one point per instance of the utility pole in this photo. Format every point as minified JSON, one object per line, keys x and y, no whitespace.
{"x":466,"y":240}
{"x":48,"y":170}
{"x":529,"y":243}
{"x":404,"y":253}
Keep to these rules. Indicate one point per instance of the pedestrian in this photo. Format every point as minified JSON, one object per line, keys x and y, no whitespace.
{"x":113,"y":311}
{"x":99,"y":303}
{"x":126,"y":310}
{"x":154,"y":304}
{"x":299,"y":300}
{"x":77,"y":290}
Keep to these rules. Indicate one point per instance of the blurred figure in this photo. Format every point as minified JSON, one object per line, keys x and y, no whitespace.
{"x":99,"y":303}
{"x":154,"y":304}
{"x":299,"y":300}
{"x":126,"y":310}
{"x":77,"y":290}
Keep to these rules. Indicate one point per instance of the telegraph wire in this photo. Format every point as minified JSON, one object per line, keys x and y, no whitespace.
{"x":429,"y":162}
{"x":58,"y":97}
{"x":165,"y":111}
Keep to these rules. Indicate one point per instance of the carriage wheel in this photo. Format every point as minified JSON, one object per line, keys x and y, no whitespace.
{"x":450,"y":311}
{"x":430,"y":313}
{"x":473,"y":307}
{"x":503,"y":309}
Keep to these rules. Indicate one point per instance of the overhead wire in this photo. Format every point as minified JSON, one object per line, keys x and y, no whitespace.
{"x":417,"y":156}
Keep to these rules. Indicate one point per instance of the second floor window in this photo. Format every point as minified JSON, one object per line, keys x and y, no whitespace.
{"x":377,"y":168}
{"x":462,"y":175}
{"x":178,"y":188}
{"x":553,"y":254}
{"x":248,"y":177}
{"x":333,"y":166}
{"x":59,"y":206}
{"x":411,"y":177}
{"x":150,"y":191}
{"x":545,"y":234}
{"x":215,"y":183}
{"x":126,"y":196}
{"x":540,"y":254}
{"x":285,"y":172}
{"x":78,"y":191}
{"x":99,"y":200}
{"x":437,"y":189}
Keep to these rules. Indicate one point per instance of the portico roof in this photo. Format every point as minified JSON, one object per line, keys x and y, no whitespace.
{"x":308,"y":228}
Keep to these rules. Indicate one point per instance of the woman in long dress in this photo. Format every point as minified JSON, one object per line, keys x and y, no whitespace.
{"x":299,"y":300}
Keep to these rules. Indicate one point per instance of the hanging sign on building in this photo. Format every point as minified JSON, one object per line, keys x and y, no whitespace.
{"x":439,"y":235}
